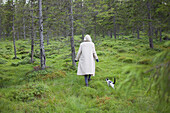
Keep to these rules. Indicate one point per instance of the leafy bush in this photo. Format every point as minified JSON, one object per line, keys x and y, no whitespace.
{"x":166,"y":44}
{"x":128,"y":60}
{"x":121,"y":50}
{"x":132,"y":49}
{"x":113,"y":53}
{"x":8,"y":47}
{"x":6,"y":56}
{"x":144,"y":61}
{"x":2,"y":61}
{"x":26,"y":60}
{"x":14,"y":64}
{"x":100,"y":53}
{"x":121,"y":58}
{"x":44,"y":75}
{"x":68,"y":67}
{"x":108,"y":44}
{"x":21,"y":48}
{"x":29,"y":92}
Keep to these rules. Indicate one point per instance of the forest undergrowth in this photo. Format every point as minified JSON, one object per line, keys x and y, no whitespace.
{"x":141,"y":78}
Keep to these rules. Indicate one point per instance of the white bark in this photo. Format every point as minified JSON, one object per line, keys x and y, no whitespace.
{"x":72,"y":36}
{"x":42,"y":51}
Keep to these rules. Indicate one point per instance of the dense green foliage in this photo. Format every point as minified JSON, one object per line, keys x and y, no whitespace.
{"x":141,"y":74}
{"x":141,"y":71}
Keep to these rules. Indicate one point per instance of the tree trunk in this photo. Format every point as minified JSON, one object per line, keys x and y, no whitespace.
{"x":156,"y":33}
{"x":32,"y":34}
{"x":82,"y":18}
{"x":95,"y":32}
{"x":13,"y":29}
{"x":4,"y":36}
{"x":0,"y":26}
{"x":103,"y":34}
{"x":0,"y":30}
{"x":111,"y":36}
{"x":149,"y":25}
{"x":18,"y":34}
{"x":72,"y":36}
{"x":24,"y":28}
{"x":160,"y":35}
{"x":138,"y":34}
{"x":114,"y":23}
{"x":42,"y":51}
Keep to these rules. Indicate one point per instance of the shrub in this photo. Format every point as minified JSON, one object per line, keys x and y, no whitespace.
{"x":166,"y":44}
{"x":100,"y":53}
{"x":121,"y":50}
{"x":132,"y":49}
{"x":144,"y":61}
{"x":128,"y":60}
{"x":121,"y":58}
{"x":68,"y":67}
{"x":116,"y":47}
{"x":26,"y":60}
{"x":14,"y":64}
{"x":29,"y":92}
{"x":113,"y":53}
{"x":131,"y":36}
{"x":21,"y":48}
{"x":108,"y":44}
{"x":2,"y":61}
{"x":8,"y":47}
{"x":5,"y":56}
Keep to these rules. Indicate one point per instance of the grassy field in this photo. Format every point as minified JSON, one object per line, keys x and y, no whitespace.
{"x":25,"y":88}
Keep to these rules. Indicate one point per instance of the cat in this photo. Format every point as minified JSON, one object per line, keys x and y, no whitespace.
{"x":110,"y":83}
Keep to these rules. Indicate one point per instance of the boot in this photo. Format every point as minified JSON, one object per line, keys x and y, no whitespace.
{"x":87,"y":85}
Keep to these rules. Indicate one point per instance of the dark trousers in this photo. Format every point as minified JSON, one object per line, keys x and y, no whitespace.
{"x":86,"y":78}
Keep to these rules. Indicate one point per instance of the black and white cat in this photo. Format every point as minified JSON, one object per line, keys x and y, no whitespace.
{"x":110,"y":83}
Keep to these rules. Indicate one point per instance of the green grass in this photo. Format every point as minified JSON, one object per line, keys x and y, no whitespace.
{"x":59,"y":89}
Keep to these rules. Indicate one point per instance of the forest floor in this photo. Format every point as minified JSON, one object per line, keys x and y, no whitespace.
{"x":25,"y":88}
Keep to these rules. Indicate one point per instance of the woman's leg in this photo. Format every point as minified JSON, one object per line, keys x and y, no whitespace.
{"x":86,"y":80}
{"x":89,"y":77}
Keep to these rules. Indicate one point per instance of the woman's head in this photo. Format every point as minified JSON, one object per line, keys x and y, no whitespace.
{"x":87,"y":38}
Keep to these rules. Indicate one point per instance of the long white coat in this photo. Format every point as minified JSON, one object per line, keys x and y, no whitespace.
{"x":86,"y":56}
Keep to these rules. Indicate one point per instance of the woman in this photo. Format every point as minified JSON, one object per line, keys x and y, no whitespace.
{"x":86,"y":56}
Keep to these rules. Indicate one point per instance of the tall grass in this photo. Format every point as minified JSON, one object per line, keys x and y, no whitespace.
{"x":25,"y":88}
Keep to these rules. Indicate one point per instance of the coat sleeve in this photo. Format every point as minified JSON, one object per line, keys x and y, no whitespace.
{"x":94,"y":52}
{"x":79,"y":53}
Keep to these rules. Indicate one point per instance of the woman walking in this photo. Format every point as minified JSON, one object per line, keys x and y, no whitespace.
{"x":86,"y":56}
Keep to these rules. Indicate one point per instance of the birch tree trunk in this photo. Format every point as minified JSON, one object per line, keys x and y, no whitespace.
{"x":32,"y":34}
{"x":72,"y":36}
{"x":114,"y":22}
{"x":13,"y":29}
{"x":0,"y":30}
{"x":23,"y":19}
{"x":0,"y":26}
{"x":82,"y":18}
{"x":42,"y":51}
{"x":149,"y":25}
